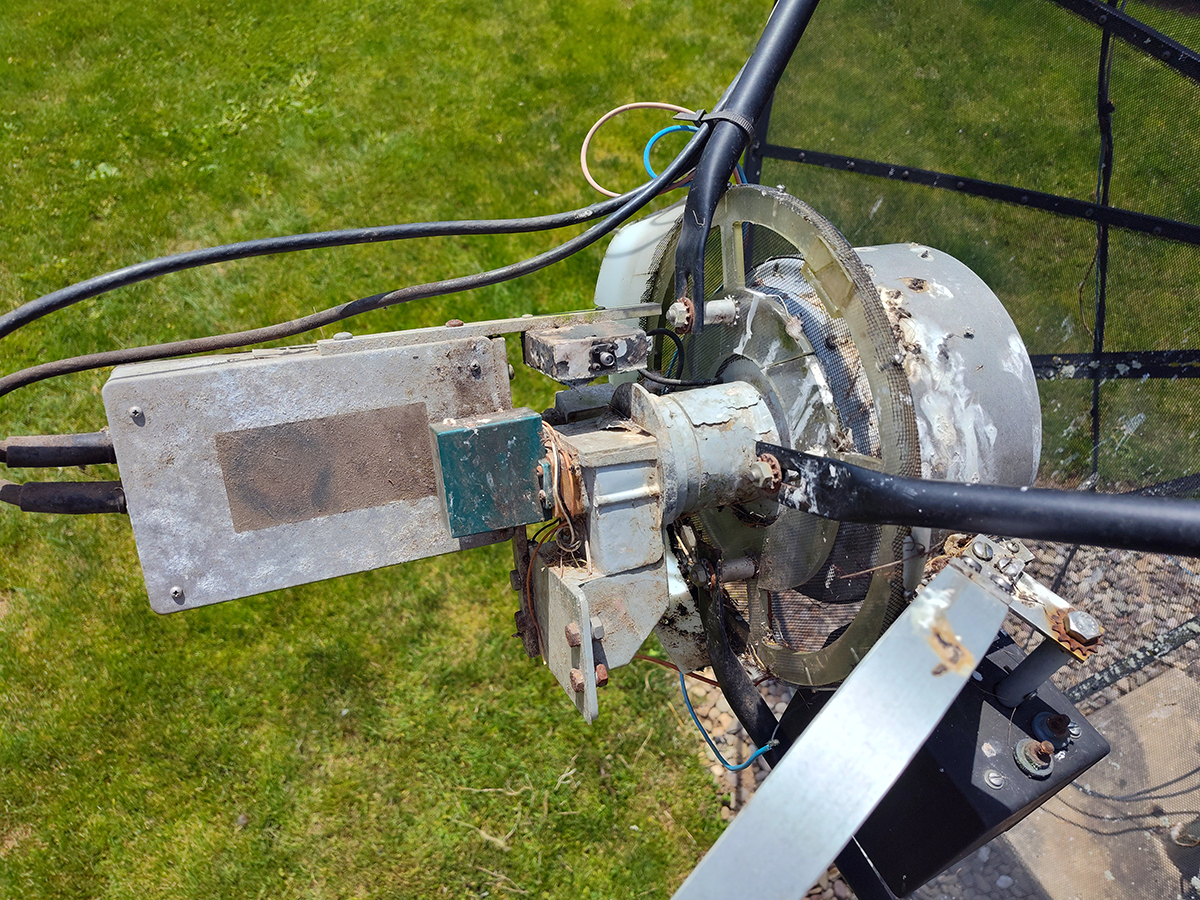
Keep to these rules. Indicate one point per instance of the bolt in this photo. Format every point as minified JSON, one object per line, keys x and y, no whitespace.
{"x":574,"y":635}
{"x":761,"y":474}
{"x":177,"y":594}
{"x":601,"y":674}
{"x":1053,"y":727}
{"x":982,"y":549}
{"x":476,"y":370}
{"x":135,"y":412}
{"x":973,"y":564}
{"x":577,"y":682}
{"x":1034,"y":758}
{"x":606,"y":358}
{"x":1074,"y":731}
{"x":701,"y":573}
{"x":1005,"y":584}
{"x":597,"y":629}
{"x":1083,"y":627}
{"x":1011,"y":567}
{"x":1012,"y":546}
{"x":994,"y":779}
{"x":343,"y":336}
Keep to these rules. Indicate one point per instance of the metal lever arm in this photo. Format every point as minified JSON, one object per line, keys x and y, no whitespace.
{"x":837,"y":490}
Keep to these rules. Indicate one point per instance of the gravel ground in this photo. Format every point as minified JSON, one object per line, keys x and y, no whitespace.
{"x":1136,"y":596}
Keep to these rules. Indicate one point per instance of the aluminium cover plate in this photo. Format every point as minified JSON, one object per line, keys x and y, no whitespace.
{"x":250,"y":472}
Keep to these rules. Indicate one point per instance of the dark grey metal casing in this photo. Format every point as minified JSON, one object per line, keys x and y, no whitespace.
{"x":256,"y":471}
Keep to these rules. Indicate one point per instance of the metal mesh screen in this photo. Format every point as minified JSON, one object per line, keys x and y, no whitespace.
{"x":1052,"y":146}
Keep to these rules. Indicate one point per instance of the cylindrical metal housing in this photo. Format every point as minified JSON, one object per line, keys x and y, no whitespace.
{"x":706,"y":438}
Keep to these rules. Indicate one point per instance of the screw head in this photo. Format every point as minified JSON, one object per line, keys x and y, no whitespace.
{"x":476,"y":370}
{"x":135,"y":412}
{"x":577,"y":682}
{"x":574,"y":635}
{"x":1004,"y":583}
{"x":343,"y":336}
{"x":601,"y":674}
{"x":993,"y":779}
{"x":1083,"y":626}
{"x":982,"y":550}
{"x":606,"y":359}
{"x":973,"y":564}
{"x":177,"y":594}
{"x":1074,"y":730}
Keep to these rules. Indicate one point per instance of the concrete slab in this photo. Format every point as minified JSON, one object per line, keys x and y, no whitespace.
{"x":1130,"y":827}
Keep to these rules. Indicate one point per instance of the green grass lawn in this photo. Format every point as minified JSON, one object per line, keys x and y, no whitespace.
{"x":381,"y":735}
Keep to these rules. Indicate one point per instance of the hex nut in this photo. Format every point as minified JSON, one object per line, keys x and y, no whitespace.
{"x":1083,"y":627}
{"x":597,"y":629}
{"x":574,"y":635}
{"x":577,"y":682}
{"x":601,"y":674}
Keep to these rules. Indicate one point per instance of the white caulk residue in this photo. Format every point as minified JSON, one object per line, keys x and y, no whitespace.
{"x":749,"y":325}
{"x":798,"y":416}
{"x":938,"y":291}
{"x":928,"y":606}
{"x":957,"y":435}
{"x":1014,"y":361}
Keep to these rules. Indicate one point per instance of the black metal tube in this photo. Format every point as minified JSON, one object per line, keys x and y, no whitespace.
{"x":744,"y":699}
{"x":65,"y":497}
{"x":836,"y":490}
{"x":47,"y":450}
{"x":746,"y":99}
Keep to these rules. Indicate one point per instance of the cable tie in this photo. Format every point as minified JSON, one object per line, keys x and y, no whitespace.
{"x":719,"y":115}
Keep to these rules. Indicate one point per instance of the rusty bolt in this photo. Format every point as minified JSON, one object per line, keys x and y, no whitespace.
{"x":601,"y":674}
{"x":982,"y":549}
{"x":1058,"y":725}
{"x":1034,"y":758}
{"x":574,"y":635}
{"x":577,"y":682}
{"x":1083,"y":627}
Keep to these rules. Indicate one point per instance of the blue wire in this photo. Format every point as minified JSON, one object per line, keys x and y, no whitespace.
{"x":753,"y":756}
{"x":671,"y":130}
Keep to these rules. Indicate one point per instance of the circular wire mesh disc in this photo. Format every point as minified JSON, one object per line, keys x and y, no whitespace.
{"x":811,"y":333}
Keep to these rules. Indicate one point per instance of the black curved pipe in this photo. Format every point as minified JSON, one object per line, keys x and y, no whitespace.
{"x":836,"y":490}
{"x":746,"y":100}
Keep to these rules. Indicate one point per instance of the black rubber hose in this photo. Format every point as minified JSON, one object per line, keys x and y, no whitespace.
{"x":836,"y":490}
{"x":47,"y":450}
{"x":746,"y":99}
{"x":744,"y":698}
{"x":165,"y":265}
{"x":638,"y":199}
{"x":65,"y":497}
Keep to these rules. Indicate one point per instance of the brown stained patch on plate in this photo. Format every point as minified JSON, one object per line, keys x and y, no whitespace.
{"x":953,"y":655}
{"x":296,"y":471}
{"x":916,"y":285}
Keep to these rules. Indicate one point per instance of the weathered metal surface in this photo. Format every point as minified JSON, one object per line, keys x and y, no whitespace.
{"x":612,"y":615}
{"x":860,"y":742}
{"x":576,"y":354}
{"x":707,"y":443}
{"x":165,"y":418}
{"x":487,"y":470}
{"x":681,"y":629}
{"x":973,"y":387}
{"x":489,"y":328}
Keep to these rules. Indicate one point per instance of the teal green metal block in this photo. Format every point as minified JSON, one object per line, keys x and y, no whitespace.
{"x":486,"y":466}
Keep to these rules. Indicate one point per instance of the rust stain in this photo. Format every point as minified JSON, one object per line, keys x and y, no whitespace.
{"x":953,"y":655}
{"x":916,"y":285}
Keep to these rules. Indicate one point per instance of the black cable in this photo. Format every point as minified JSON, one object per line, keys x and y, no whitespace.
{"x":165,"y":265}
{"x":673,"y":382}
{"x":678,"y":341}
{"x":836,"y":490}
{"x":637,"y":199}
{"x":747,"y":99}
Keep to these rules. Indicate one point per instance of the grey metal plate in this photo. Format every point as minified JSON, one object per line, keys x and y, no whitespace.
{"x":857,"y":746}
{"x":251,"y":472}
